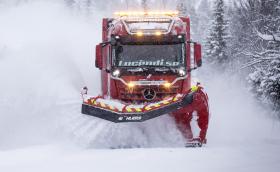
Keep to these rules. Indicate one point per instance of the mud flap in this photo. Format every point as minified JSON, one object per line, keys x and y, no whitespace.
{"x":118,"y":117}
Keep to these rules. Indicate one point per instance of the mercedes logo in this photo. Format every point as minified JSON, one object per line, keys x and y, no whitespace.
{"x":149,"y":94}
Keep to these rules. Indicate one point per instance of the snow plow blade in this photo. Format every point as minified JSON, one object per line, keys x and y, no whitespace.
{"x":101,"y":108}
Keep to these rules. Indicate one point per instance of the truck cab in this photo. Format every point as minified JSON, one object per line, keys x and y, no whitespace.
{"x":147,"y":58}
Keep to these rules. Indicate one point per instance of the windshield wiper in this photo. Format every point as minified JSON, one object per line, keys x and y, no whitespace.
{"x":137,"y":69}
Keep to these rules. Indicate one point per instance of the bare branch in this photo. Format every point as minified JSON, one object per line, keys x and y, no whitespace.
{"x":266,"y":37}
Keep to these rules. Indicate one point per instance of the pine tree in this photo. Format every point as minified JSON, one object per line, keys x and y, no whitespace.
{"x":194,"y":22}
{"x":163,"y":4}
{"x":188,"y":9}
{"x":217,"y":40}
{"x":69,"y":3}
{"x":144,"y":4}
{"x":181,"y":7}
{"x":203,"y":15}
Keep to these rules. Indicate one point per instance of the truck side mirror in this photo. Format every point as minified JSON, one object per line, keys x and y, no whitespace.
{"x":197,"y":55}
{"x":98,"y":56}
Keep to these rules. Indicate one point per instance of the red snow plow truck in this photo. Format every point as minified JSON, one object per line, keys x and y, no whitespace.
{"x":146,"y":59}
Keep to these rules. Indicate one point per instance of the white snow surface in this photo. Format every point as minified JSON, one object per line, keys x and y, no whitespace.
{"x":47,"y":55}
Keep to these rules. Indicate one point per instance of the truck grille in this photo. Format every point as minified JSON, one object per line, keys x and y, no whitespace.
{"x":137,"y":93}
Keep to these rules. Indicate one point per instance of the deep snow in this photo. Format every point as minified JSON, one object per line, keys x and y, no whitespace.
{"x":47,"y":55}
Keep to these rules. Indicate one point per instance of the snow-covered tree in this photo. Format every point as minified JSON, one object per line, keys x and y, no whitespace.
{"x":182,"y":8}
{"x":69,"y":3}
{"x":255,"y":46}
{"x":265,"y":57}
{"x":187,"y":8}
{"x":217,"y":39}
{"x":164,"y":4}
{"x":84,"y":6}
{"x":13,"y":2}
{"x":144,"y":4}
{"x":110,"y":6}
{"x":203,"y":17}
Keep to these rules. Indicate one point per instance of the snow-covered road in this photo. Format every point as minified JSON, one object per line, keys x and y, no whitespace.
{"x":65,"y":158}
{"x":46,"y":56}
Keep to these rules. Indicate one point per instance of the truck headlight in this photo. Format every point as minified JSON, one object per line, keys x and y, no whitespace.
{"x":182,"y":72}
{"x":167,"y":85}
{"x":131,"y":85}
{"x":116,"y":73}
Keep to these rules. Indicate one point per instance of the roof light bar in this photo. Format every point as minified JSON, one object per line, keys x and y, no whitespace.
{"x":168,"y":20}
{"x":150,"y":13}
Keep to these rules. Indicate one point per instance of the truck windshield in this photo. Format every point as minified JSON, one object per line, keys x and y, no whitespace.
{"x":171,"y":55}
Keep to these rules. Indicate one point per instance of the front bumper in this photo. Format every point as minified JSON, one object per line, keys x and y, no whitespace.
{"x":134,"y":113}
